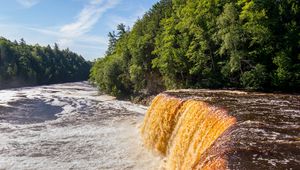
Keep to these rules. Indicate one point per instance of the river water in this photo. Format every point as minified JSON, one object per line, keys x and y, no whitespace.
{"x":267,"y":132}
{"x":70,"y":126}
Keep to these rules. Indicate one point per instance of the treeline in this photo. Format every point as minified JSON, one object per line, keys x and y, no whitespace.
{"x":24,"y":65}
{"x":205,"y":44}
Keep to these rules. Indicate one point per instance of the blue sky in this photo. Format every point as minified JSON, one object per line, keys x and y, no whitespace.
{"x":81,"y":25}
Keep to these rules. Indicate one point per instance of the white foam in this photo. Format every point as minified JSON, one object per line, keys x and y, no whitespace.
{"x":91,"y":132}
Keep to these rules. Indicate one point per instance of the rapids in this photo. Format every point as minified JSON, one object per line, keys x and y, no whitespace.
{"x":70,"y":126}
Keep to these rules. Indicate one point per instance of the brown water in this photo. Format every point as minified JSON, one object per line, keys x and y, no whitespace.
{"x":267,"y":133}
{"x":184,"y":131}
{"x":71,"y":126}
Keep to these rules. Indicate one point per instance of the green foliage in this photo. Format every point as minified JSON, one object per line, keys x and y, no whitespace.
{"x":256,"y":78}
{"x":22,"y":64}
{"x":205,"y":44}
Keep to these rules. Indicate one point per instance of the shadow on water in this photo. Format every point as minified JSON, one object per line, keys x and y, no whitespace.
{"x":28,"y":111}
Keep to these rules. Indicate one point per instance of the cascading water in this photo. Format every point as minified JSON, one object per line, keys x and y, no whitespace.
{"x":184,"y":131}
{"x":265,"y":136}
{"x":159,"y":122}
{"x":71,"y":126}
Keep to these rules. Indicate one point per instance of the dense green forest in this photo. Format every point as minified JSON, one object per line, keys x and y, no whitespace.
{"x":22,"y":65}
{"x":243,"y":44}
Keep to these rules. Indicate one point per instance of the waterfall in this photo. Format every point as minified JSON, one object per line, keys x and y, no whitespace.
{"x":185,"y":131}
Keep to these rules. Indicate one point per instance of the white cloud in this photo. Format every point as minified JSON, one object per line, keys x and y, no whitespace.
{"x":28,"y":3}
{"x":128,"y":21}
{"x":95,"y":2}
{"x":90,"y":46}
{"x":66,"y":42}
{"x":85,"y":20}
{"x":76,"y":35}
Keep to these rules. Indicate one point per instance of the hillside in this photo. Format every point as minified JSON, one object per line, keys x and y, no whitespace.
{"x":25,"y":65}
{"x":205,"y":44}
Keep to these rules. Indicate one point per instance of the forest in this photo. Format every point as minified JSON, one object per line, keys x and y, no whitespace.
{"x":236,"y":44}
{"x":27,"y":65}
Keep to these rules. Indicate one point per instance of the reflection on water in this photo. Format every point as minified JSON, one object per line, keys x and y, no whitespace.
{"x":267,"y":135}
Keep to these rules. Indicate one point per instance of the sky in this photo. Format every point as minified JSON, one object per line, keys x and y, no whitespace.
{"x":80,"y":25}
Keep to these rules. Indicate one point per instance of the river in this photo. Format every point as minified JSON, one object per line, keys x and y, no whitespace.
{"x":267,"y":132}
{"x":70,"y":126}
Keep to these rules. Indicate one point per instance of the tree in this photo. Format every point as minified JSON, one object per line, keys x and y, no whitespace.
{"x":22,"y":64}
{"x":205,"y":44}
